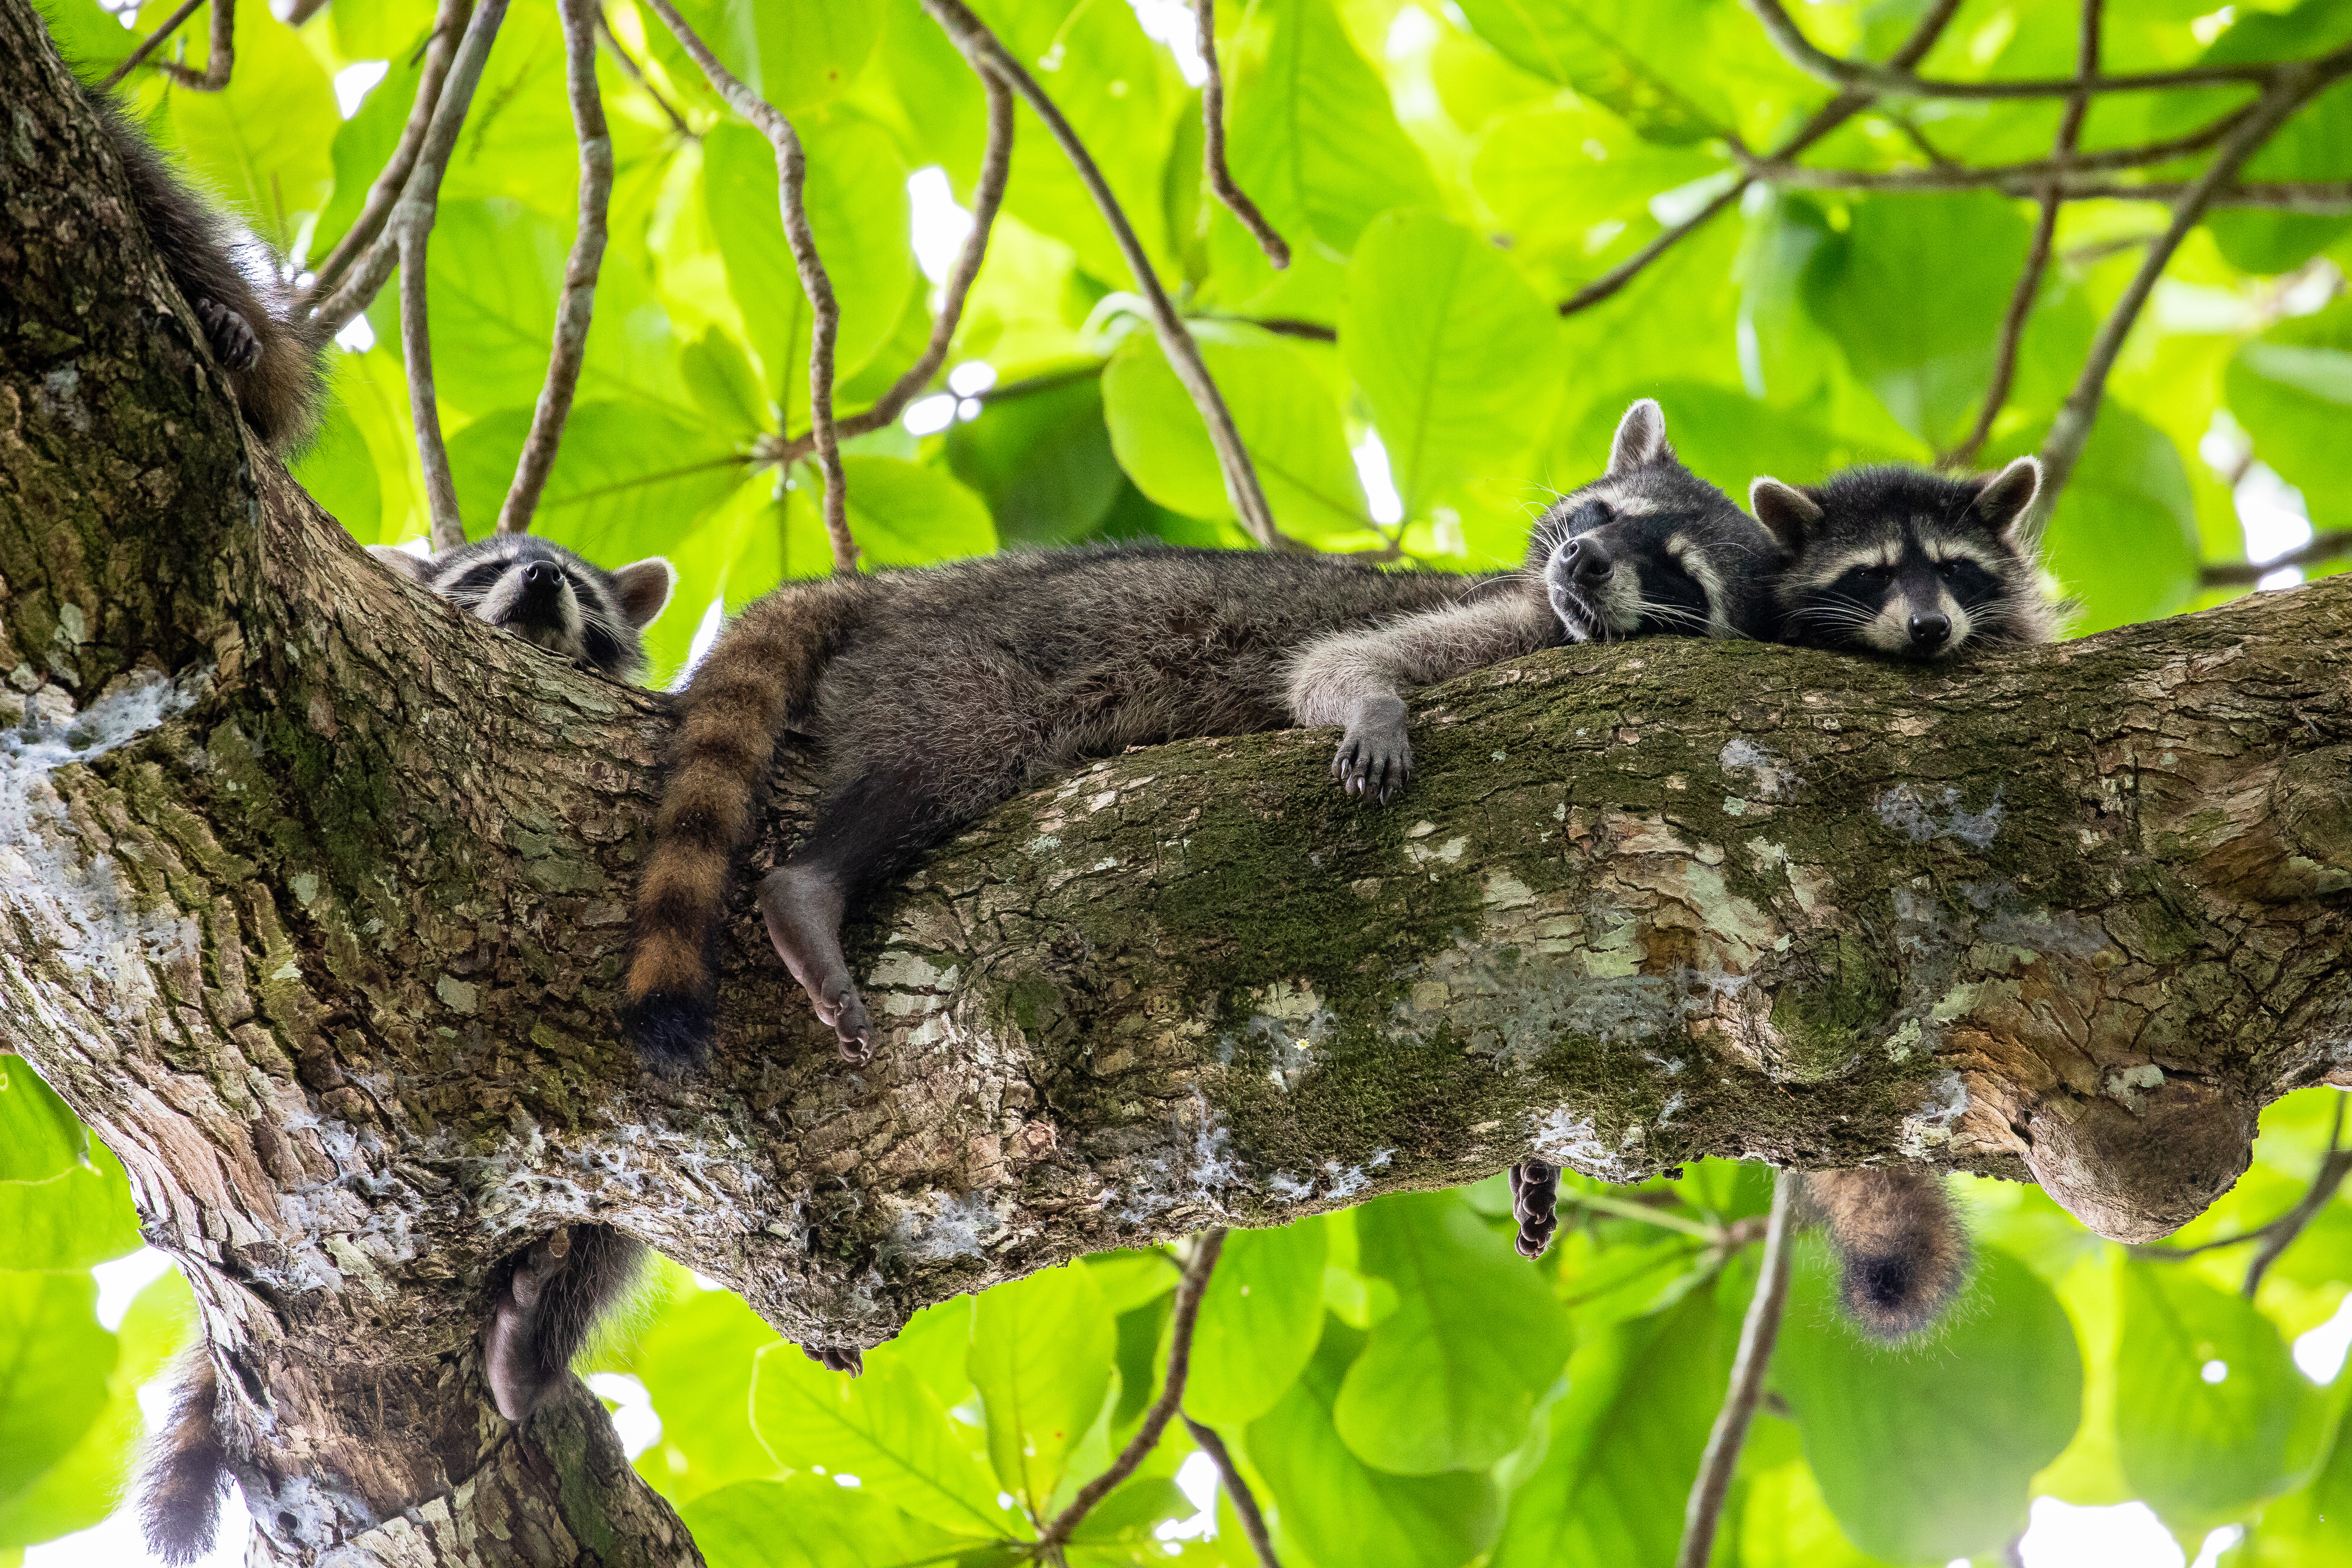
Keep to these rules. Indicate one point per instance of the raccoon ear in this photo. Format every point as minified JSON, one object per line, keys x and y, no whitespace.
{"x":1786,"y":512}
{"x":2004,"y":498}
{"x":1641,"y":438}
{"x":644,"y":587}
{"x":416,"y":568}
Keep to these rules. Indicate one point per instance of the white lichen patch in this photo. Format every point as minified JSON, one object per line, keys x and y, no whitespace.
{"x":1564,"y":1138}
{"x":1902,"y":809}
{"x":950,"y":1226}
{"x":1192,"y":1170}
{"x":1929,"y":1127}
{"x":1448,"y":853}
{"x":2129,"y":1086}
{"x":1504,"y":892}
{"x":1769,"y":778}
{"x":1284,"y":1187}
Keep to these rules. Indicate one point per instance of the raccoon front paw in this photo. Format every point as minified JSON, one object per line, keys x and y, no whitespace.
{"x":1374,"y":756}
{"x":518,"y":1375}
{"x":232,"y":335}
{"x":837,"y":1358}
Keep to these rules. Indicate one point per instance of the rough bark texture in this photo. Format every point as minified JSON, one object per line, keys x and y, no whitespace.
{"x":313,"y":897}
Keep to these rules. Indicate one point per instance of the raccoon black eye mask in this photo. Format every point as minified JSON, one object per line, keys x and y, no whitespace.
{"x":548,"y":596}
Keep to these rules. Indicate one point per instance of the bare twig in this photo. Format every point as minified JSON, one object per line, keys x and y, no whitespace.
{"x":454,"y":58}
{"x":986,"y":52}
{"x":220,"y":54}
{"x":792,"y":171}
{"x":2295,"y":84}
{"x":1171,"y":1392}
{"x":2333,"y":1167}
{"x":150,"y":44}
{"x":2015,"y":178}
{"x":1212,"y":153}
{"x":1244,"y":1501}
{"x":298,"y":12}
{"x":636,"y":73}
{"x":2319,"y":198}
{"x":1627,"y":1208}
{"x":2323,"y":547}
{"x":2037,"y":257}
{"x":574,"y":310}
{"x":1757,"y":1333}
{"x":988,"y":194}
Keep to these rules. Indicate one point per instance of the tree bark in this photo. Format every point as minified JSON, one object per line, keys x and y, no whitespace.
{"x":313,"y":902}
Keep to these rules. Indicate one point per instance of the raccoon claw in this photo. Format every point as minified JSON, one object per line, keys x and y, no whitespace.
{"x":1373,"y":767}
{"x":837,"y":1358}
{"x":845,"y":1010}
{"x":231,"y":334}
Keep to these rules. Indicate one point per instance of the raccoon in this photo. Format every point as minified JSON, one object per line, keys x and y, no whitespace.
{"x":1904,"y":562}
{"x":1901,"y":1247}
{"x":549,"y":597}
{"x":273,"y":355}
{"x":550,"y":1297}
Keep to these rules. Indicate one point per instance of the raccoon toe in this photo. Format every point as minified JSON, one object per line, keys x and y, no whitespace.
{"x":837,"y":1358}
{"x":846,"y":1010}
{"x":232,"y":335}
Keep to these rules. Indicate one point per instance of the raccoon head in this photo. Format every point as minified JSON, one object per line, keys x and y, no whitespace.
{"x":548,"y":596}
{"x":1905,"y":561}
{"x":1651,"y":549}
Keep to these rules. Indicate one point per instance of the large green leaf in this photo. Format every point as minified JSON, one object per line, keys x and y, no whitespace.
{"x":1313,"y":138}
{"x":808,"y":1523}
{"x":2310,"y":1525}
{"x":2122,"y":541}
{"x":2291,"y":388}
{"x":796,"y":54}
{"x":1780,"y":1519}
{"x":1042,"y":461}
{"x":1458,"y":358}
{"x":696,"y":1363}
{"x":1343,"y":1509}
{"x":1041,"y":1357}
{"x":629,"y":478}
{"x":1449,"y":1380}
{"x":1924,"y":1452}
{"x":54,"y":1364}
{"x":1261,"y":1318}
{"x":40,"y":1138}
{"x":364,"y":141}
{"x":1551,"y":171}
{"x":265,"y":142}
{"x":77,"y":1218}
{"x":1635,"y":56}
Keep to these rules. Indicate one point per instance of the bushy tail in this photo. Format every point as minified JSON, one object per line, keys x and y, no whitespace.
{"x":184,"y":1468}
{"x":762,"y":671}
{"x":555,"y":1294}
{"x":1903,"y":1253}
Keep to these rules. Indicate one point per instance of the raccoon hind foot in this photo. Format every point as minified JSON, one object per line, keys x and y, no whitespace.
{"x":803,"y":908}
{"x":233,"y":339}
{"x":837,"y":1358}
{"x":1375,"y":757}
{"x":560,"y":1288}
{"x":1535,"y":1201}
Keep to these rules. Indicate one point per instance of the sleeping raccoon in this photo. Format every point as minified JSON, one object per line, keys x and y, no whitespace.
{"x":548,"y":596}
{"x":1905,"y":561}
{"x":232,"y":283}
{"x":941,"y":693}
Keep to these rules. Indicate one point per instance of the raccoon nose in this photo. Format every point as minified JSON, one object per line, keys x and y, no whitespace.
{"x":1585,"y":560}
{"x":1928,"y":631}
{"x":541,"y":575}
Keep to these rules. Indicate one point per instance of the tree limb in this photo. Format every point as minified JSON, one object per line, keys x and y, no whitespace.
{"x":577,"y":307}
{"x":1213,"y":152}
{"x":636,"y":73}
{"x":792,"y":171}
{"x":986,"y":53}
{"x":1947,"y":175}
{"x":2322,"y":547}
{"x":412,"y":231}
{"x":1229,"y":1475}
{"x":2280,"y":1233}
{"x":1757,"y":1332}
{"x":220,"y":54}
{"x":152,"y":41}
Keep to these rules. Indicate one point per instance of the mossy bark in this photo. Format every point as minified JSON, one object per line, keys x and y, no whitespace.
{"x":313,"y":903}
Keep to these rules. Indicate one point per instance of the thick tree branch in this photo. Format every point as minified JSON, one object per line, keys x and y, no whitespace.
{"x":2322,"y":547}
{"x":987,"y":54}
{"x":1213,"y":153}
{"x":577,"y":307}
{"x":1757,"y":1333}
{"x":792,"y":172}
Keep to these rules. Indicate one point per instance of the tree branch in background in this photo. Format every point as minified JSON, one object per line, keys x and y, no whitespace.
{"x":1826,"y":119}
{"x":578,"y":305}
{"x":297,"y":13}
{"x":150,"y":44}
{"x":2037,"y":255}
{"x":1757,"y":1334}
{"x":1947,"y":175}
{"x":412,"y":228}
{"x":985,"y":52}
{"x":636,"y":73}
{"x":1171,"y":1392}
{"x":2295,"y":85}
{"x":2323,"y":547}
{"x":2281,"y":1232}
{"x":792,"y":171}
{"x":1229,"y":1475}
{"x":988,"y":194}
{"x":220,"y":54}
{"x":1213,"y":153}
{"x":448,"y":26}
{"x":379,"y":253}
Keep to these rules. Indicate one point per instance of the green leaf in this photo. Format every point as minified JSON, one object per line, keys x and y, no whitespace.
{"x":628,"y":478}
{"x":2312,"y":1525}
{"x":885,"y":1428}
{"x":2211,"y":1411}
{"x":1310,"y":133}
{"x":89,"y":38}
{"x":70,"y":1221}
{"x":40,"y":1138}
{"x":81,"y":1487}
{"x":2122,"y":541}
{"x":2312,"y":145}
{"x":338,"y":469}
{"x":2291,"y":388}
{"x":1041,"y":1357}
{"x":385,"y":31}
{"x":1042,"y":461}
{"x":1449,"y":1381}
{"x":54,"y":1364}
{"x":808,"y":1523}
{"x":1283,"y":407}
{"x":1552,"y":171}
{"x":936,"y":1346}
{"x":796,"y":54}
{"x":1261,"y":1318}
{"x":719,"y":377}
{"x":1455,"y":353}
{"x":1133,"y":1510}
{"x":1129,"y":1280}
{"x":1781,"y":1522}
{"x":1345,"y":1510}
{"x":696,"y":1364}
{"x":1634,"y":56}
{"x":1925,"y":1452}
{"x":902,"y":514}
{"x":364,"y":143}
{"x":264,"y":142}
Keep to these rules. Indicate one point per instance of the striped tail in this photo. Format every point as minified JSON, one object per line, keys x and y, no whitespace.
{"x":763,"y":669}
{"x":185,"y":1470}
{"x":1903,"y":1253}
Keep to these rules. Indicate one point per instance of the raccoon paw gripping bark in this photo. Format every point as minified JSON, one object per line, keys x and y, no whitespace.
{"x":1535,"y":1201}
{"x":185,"y":1469}
{"x":1902,"y":1251}
{"x":554,"y":1295}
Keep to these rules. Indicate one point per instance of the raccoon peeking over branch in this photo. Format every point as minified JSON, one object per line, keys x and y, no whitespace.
{"x":549,"y":597}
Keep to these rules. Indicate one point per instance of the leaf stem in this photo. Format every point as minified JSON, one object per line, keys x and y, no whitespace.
{"x":148,"y":44}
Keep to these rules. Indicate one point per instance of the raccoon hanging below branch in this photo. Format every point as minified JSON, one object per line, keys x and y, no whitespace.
{"x":1902,"y":1250}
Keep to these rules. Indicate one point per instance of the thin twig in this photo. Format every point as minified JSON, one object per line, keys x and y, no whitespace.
{"x":1244,"y":1501}
{"x":1213,"y":152}
{"x":411,"y":226}
{"x":2318,"y":198}
{"x":792,"y":171}
{"x":2332,"y":1168}
{"x":220,"y":54}
{"x":1623,"y":1208}
{"x":1757,"y":1333}
{"x":2037,"y":255}
{"x":988,"y":194}
{"x":577,"y":307}
{"x":454,"y":58}
{"x":985,"y":51}
{"x":636,"y":73}
{"x":2025,"y":177}
{"x":1171,"y":1392}
{"x":2323,"y":547}
{"x":150,"y":44}
{"x":2071,"y":431}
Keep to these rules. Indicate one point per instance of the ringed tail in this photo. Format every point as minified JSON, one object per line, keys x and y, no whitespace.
{"x":763,"y":669}
{"x":185,"y":1469}
{"x":1902,"y":1250}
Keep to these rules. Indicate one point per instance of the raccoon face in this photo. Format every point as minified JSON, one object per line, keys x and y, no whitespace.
{"x":1904,"y":562}
{"x":1650,"y":549}
{"x":548,"y":596}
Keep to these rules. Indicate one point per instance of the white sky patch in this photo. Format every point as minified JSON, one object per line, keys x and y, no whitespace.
{"x":2274,"y":519}
{"x":2320,"y":1352}
{"x":1380,"y":487}
{"x":939,"y":224}
{"x":634,"y":1420}
{"x":122,"y":1280}
{"x":930,"y":415}
{"x":357,"y":335}
{"x":2128,"y":1535}
{"x":115,"y":1541}
{"x":1196,"y":1477}
{"x":972,"y":378}
{"x":353,"y":83}
{"x":1170,"y":22}
{"x":706,"y":632}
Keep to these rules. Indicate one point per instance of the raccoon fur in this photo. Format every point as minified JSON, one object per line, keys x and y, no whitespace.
{"x":183,"y":1468}
{"x":1901,"y":1247}
{"x":549,"y":597}
{"x":550,"y":1298}
{"x":1905,"y":561}
{"x":232,"y":283}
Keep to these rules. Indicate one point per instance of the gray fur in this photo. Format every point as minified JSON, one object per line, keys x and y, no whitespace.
{"x":548,"y":596}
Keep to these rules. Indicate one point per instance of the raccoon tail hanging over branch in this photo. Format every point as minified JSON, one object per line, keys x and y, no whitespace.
{"x":185,"y":1469}
{"x":1902,"y":1251}
{"x":762,"y":671}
